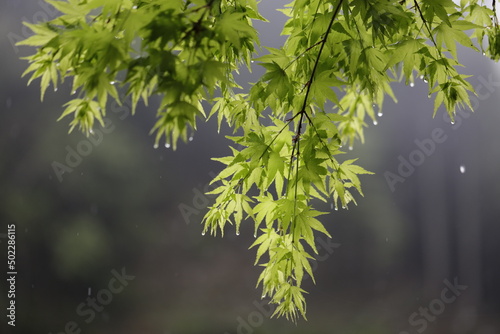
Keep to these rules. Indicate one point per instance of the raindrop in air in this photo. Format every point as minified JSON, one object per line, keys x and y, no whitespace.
{"x":78,"y":234}
{"x":386,"y":239}
{"x":167,"y":145}
{"x":89,"y":291}
{"x":484,"y":53}
{"x":462,"y":169}
{"x":331,"y":206}
{"x":155,"y":146}
{"x":412,"y":84}
{"x":375,"y":122}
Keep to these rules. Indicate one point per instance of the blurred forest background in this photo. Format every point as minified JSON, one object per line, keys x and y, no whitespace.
{"x":122,"y":206}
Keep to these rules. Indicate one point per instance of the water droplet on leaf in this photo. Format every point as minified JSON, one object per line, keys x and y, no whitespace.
{"x":380,"y":114}
{"x":375,"y":122}
{"x":55,"y":89}
{"x":155,"y":146}
{"x":203,"y":233}
{"x":191,"y":138}
{"x":350,"y":148}
{"x":412,"y":84}
{"x":167,"y":145}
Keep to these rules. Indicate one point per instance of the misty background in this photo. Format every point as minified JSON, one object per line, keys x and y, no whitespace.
{"x":128,"y":207}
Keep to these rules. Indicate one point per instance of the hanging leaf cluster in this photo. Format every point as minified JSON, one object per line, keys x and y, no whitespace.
{"x":319,"y":91}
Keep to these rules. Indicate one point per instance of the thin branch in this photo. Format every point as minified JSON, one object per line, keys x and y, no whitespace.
{"x":321,"y":140}
{"x":303,"y":53}
{"x":335,"y":13}
{"x":431,"y":36}
{"x":277,"y":135}
{"x":303,"y":111}
{"x":292,"y":229}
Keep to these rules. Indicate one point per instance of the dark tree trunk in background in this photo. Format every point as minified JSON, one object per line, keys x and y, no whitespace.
{"x":434,"y":222}
{"x":468,"y":224}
